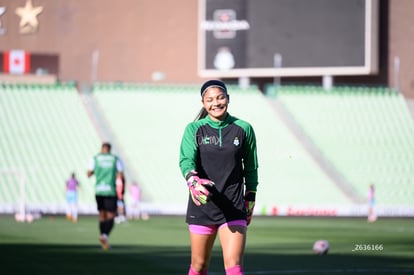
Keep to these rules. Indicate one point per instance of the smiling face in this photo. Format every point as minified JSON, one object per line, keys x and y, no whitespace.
{"x":215,"y":101}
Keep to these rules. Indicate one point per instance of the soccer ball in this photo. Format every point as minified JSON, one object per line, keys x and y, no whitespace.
{"x":321,"y":247}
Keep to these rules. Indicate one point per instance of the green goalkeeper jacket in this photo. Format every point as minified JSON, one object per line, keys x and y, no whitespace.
{"x":224,"y":152}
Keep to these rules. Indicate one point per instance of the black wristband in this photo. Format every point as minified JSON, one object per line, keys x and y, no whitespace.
{"x":190,"y":174}
{"x":250,"y":196}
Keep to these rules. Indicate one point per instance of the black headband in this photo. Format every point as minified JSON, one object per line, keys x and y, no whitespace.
{"x":213,"y":83}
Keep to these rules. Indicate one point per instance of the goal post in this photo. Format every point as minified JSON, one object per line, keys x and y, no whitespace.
{"x":20,"y":175}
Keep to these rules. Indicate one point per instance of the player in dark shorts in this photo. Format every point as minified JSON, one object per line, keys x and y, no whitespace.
{"x":108,"y":170}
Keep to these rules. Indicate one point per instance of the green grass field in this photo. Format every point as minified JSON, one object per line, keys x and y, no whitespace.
{"x":160,"y":245}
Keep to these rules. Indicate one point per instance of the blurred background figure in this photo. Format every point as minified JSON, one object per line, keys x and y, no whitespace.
{"x":121,"y":209}
{"x":72,"y":185}
{"x":109,"y":171}
{"x":134,"y":210}
{"x":372,"y":216}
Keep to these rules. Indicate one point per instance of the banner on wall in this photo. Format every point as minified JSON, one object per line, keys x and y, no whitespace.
{"x":16,"y":62}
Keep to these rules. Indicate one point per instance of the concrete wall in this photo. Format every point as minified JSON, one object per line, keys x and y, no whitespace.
{"x":135,"y":38}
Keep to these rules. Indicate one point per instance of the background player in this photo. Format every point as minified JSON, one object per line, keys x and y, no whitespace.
{"x":108,"y":170}
{"x":121,"y":209}
{"x":72,"y":185}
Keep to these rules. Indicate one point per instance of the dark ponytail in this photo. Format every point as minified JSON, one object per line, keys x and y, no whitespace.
{"x":201,"y":114}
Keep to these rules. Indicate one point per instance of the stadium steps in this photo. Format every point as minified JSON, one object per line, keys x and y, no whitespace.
{"x":288,"y":174}
{"x":366,"y":133}
{"x":105,"y":132}
{"x":314,"y":151}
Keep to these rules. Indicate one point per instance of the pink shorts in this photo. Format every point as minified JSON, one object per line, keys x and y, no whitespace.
{"x":212,"y":229}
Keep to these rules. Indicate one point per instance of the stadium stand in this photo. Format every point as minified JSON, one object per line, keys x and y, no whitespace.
{"x":318,"y":151}
{"x":46,"y":135}
{"x":367,"y":133}
{"x":149,"y":120}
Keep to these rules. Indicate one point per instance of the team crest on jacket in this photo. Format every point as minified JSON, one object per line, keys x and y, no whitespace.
{"x":236,"y":141}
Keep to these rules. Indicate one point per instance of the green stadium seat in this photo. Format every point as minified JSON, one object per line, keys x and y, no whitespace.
{"x":46,"y":134}
{"x":366,"y":133}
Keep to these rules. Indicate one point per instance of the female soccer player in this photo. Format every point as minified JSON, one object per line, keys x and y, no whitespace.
{"x":219,"y":162}
{"x":372,"y":217}
{"x":72,"y":185}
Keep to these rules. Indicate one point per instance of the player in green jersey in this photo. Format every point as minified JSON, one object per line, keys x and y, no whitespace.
{"x":108,"y":170}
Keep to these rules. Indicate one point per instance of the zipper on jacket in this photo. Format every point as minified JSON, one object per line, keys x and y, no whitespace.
{"x":220,"y":140}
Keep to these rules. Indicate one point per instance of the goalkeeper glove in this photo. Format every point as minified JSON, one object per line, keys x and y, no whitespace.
{"x":249,"y":202}
{"x":198,"y":191}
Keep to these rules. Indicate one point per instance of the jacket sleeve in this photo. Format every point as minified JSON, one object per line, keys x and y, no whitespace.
{"x":188,"y":150}
{"x":250,"y":160}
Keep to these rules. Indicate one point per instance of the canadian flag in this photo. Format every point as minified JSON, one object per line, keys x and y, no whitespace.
{"x":16,"y":62}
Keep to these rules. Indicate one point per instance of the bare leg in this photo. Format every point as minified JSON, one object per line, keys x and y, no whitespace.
{"x":233,"y":240}
{"x":201,"y":248}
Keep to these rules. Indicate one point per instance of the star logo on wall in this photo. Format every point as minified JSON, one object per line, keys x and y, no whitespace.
{"x":2,"y":11}
{"x":28,"y":17}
